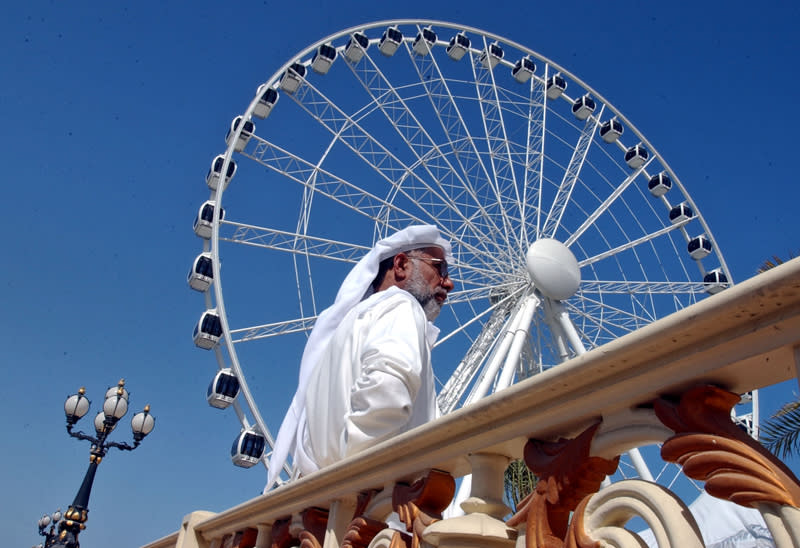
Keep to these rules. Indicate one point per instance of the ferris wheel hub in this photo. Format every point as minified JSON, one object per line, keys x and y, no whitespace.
{"x":553,"y":269}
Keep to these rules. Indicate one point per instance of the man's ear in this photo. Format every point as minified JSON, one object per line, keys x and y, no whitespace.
{"x":400,"y":266}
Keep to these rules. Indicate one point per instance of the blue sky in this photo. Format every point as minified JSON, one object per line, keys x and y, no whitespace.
{"x":112,"y":114}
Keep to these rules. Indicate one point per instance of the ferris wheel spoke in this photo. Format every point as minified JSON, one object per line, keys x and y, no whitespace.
{"x":323,"y":182}
{"x":470,"y":274}
{"x":292,"y":242}
{"x":633,"y":243}
{"x":349,"y":132}
{"x":245,"y":334}
{"x":431,"y":77}
{"x":634,"y":307}
{"x":602,"y":319}
{"x":503,"y":179}
{"x":474,"y":172}
{"x":618,"y":190}
{"x":636,"y":287}
{"x":373,"y":153}
{"x":485,"y":291}
{"x":405,"y":180}
{"x":571,"y":174}
{"x":310,"y":246}
{"x":534,"y":157}
{"x":427,"y":153}
{"x":614,"y":319}
{"x":456,"y":387}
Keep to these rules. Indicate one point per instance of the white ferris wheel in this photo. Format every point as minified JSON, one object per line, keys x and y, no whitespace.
{"x":411,"y":121}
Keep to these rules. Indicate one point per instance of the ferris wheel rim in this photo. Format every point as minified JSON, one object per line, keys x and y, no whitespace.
{"x":213,"y":244}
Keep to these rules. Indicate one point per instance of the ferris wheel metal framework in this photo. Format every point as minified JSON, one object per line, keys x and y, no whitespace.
{"x":568,"y":227}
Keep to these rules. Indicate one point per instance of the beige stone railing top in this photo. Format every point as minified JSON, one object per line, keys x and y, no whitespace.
{"x":741,"y":339}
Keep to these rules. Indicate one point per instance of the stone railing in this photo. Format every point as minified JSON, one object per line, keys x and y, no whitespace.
{"x":672,"y":382}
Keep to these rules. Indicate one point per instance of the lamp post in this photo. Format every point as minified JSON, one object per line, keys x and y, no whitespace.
{"x":64,"y":529}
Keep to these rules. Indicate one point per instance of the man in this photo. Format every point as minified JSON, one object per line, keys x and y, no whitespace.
{"x":366,"y":375}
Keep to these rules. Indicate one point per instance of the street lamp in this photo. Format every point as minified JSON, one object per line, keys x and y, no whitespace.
{"x":64,"y":529}
{"x":46,"y":520}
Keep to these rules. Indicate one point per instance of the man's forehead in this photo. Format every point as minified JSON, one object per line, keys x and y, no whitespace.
{"x":434,"y":251}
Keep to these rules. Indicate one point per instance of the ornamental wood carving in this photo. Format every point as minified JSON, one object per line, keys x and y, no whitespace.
{"x":361,"y":531}
{"x":241,"y":539}
{"x":314,"y":522}
{"x":576,"y":536}
{"x":281,"y":537}
{"x":712,"y":448}
{"x":422,"y":503}
{"x":567,"y":475}
{"x":246,"y":538}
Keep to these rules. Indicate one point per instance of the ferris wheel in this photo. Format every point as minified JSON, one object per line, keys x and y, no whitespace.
{"x":568,"y":228}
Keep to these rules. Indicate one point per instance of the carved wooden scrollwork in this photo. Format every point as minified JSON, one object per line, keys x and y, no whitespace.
{"x":315,"y":520}
{"x":281,"y":537}
{"x":361,"y":531}
{"x":566,"y":475}
{"x":241,"y":539}
{"x":712,"y":448}
{"x":312,"y":535}
{"x":422,"y":503}
{"x":576,"y":536}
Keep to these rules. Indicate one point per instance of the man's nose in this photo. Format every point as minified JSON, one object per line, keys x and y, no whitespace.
{"x":447,"y":284}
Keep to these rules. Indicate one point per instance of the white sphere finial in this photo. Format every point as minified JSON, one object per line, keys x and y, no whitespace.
{"x":553,"y":269}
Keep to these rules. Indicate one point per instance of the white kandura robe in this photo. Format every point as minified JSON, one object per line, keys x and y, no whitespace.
{"x":373,"y":381}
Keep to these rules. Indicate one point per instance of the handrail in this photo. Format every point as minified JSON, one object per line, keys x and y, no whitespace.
{"x":741,"y":339}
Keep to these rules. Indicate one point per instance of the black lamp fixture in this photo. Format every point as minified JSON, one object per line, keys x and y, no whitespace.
{"x":64,"y":528}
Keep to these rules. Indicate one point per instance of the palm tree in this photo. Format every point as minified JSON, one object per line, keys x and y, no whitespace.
{"x":781,"y":433}
{"x":772,"y":263}
{"x":519,"y":483}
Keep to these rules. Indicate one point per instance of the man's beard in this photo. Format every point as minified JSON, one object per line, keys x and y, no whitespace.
{"x":420,"y":290}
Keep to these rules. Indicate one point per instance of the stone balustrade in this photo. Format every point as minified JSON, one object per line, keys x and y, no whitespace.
{"x":672,"y":382}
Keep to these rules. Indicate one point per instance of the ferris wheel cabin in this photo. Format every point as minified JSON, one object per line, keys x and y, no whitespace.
{"x":424,"y":42}
{"x":523,"y":69}
{"x":458,"y":46}
{"x":223,"y":389}
{"x":247,"y":131}
{"x":611,"y":130}
{"x":659,"y":184}
{"x":204,"y":221}
{"x":390,"y":41}
{"x":215,"y":172}
{"x":715,"y":281}
{"x":636,"y":156}
{"x":680,"y":213}
{"x":583,"y":107}
{"x":323,"y":59}
{"x":267,"y":97}
{"x":699,"y":248}
{"x":208,"y":330}
{"x":556,"y":85}
{"x":356,"y":45}
{"x":293,"y":77}
{"x":202,"y":273}
{"x":248,"y":448}
{"x":491,"y":55}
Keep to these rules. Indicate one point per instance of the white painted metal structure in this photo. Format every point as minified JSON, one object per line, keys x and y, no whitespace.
{"x":500,"y":165}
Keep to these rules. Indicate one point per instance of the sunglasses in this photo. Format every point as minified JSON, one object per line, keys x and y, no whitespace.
{"x":439,"y":264}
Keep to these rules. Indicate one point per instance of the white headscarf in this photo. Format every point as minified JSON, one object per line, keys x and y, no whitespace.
{"x":356,"y":287}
